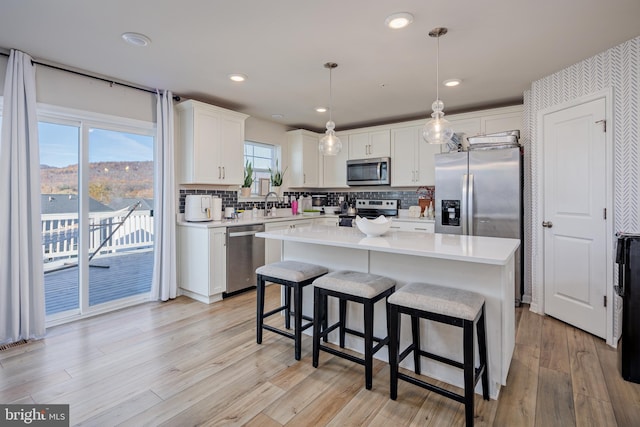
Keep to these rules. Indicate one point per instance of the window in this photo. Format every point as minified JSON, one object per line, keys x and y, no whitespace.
{"x":262,"y":158}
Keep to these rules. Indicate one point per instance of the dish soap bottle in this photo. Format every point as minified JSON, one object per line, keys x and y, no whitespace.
{"x":294,"y":206}
{"x":430,"y":210}
{"x":254,"y":212}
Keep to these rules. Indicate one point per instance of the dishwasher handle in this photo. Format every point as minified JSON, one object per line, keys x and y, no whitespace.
{"x":243,"y":233}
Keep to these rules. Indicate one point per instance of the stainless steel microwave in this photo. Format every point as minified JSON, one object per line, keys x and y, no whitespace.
{"x":375,"y":171}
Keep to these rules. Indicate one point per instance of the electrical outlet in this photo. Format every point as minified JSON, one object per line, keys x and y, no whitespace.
{"x":340,"y":199}
{"x":286,"y":199}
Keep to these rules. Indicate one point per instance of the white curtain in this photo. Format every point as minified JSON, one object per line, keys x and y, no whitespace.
{"x":22,"y":309}
{"x":164,"y":285}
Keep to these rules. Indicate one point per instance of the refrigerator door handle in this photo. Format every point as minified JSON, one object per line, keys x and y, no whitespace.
{"x":463,"y":204}
{"x":470,"y":206}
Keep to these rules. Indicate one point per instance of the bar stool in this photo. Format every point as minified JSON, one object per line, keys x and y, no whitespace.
{"x":445,"y":305}
{"x":363,"y":288}
{"x":292,"y":275}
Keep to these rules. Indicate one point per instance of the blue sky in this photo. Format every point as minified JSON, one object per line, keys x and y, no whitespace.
{"x":59,"y":145}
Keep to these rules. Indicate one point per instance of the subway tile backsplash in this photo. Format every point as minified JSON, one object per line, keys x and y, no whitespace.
{"x":230,"y":198}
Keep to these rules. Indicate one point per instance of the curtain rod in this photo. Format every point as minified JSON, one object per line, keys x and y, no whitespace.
{"x":112,"y":82}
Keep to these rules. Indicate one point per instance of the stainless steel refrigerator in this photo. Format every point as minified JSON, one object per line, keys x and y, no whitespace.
{"x":479,"y":193}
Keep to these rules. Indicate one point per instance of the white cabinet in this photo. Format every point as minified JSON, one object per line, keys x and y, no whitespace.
{"x":202,"y":262}
{"x":501,"y":122}
{"x":412,"y":161}
{"x":365,"y":145}
{"x":304,"y":158}
{"x":334,"y":168}
{"x":419,"y":226}
{"x":272,"y":247}
{"x":465,"y":127}
{"x":210,"y":145}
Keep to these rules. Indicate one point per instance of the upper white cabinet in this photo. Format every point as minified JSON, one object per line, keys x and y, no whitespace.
{"x":334,"y":168}
{"x":412,"y":161}
{"x":304,"y":158}
{"x":210,"y":145}
{"x":364,"y":145}
{"x":501,"y":122}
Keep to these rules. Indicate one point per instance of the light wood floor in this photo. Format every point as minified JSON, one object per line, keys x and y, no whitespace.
{"x":184,"y":363}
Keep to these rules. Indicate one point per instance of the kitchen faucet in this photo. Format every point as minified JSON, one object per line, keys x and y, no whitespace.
{"x":266,"y":211}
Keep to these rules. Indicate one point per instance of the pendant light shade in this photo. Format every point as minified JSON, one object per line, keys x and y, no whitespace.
{"x":437,"y":130}
{"x":330,"y":144}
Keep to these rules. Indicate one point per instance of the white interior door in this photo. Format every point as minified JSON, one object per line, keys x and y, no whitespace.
{"x":575,"y":257}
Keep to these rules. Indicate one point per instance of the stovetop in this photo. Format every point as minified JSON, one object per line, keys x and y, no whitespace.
{"x":373,"y":208}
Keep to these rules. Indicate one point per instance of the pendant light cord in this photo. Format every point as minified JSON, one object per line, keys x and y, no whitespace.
{"x":438,"y":68}
{"x":330,"y":95}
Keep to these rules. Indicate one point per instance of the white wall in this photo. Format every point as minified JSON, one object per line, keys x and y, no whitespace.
{"x":259,"y":130}
{"x":69,"y":90}
{"x":617,"y":68}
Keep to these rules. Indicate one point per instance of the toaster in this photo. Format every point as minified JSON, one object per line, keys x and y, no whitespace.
{"x":197,"y":207}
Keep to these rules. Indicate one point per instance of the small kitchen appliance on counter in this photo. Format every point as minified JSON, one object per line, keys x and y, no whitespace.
{"x":371,"y":209}
{"x":197,"y":207}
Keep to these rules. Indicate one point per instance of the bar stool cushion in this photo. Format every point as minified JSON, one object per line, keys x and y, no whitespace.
{"x":292,"y":271}
{"x":439,"y":299}
{"x":354,"y":283}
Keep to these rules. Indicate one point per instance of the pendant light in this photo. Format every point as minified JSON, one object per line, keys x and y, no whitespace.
{"x":330,"y":144}
{"x":438,"y":129}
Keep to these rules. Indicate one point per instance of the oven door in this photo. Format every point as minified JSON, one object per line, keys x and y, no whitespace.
{"x":368,"y":171}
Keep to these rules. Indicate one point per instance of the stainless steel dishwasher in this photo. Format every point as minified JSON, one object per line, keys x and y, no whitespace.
{"x":245,"y":253}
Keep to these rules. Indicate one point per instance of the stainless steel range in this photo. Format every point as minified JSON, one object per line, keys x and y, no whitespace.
{"x":370,"y":208}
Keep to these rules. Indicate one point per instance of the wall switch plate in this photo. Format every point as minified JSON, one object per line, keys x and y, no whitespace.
{"x":340,"y":199}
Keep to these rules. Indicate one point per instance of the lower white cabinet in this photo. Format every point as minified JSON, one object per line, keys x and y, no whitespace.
{"x":273,"y":248}
{"x":202,"y":262}
{"x":420,"y":226}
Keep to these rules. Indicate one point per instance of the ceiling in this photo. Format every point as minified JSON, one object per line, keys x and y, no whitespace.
{"x":497,"y":47}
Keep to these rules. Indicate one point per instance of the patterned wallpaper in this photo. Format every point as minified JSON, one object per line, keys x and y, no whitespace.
{"x":619,"y":69}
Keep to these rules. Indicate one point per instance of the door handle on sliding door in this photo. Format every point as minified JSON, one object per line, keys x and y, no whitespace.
{"x":470,"y":204}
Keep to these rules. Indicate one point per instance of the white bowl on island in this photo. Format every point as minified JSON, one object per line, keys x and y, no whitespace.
{"x":373,"y":227}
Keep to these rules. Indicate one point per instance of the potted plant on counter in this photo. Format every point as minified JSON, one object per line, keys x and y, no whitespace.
{"x":276,"y":178}
{"x":245,"y":191}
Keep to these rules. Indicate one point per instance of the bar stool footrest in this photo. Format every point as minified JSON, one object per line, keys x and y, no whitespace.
{"x":432,"y":387}
{"x":342,"y":354}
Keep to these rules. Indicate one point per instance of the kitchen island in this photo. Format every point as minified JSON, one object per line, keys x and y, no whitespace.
{"x":481,"y":264}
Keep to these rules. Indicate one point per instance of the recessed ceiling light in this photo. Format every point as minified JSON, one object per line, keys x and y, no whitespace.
{"x":237,"y":77}
{"x":136,"y":39}
{"x":398,"y":20}
{"x":277,"y":116}
{"x":321,"y":109}
{"x":452,"y":82}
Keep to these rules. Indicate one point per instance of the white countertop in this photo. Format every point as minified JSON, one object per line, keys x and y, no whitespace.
{"x":249,"y":220}
{"x":484,"y":250}
{"x":283,"y":215}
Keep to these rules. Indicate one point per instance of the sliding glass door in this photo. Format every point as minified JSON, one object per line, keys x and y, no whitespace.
{"x":120,"y":251}
{"x":97,"y":215}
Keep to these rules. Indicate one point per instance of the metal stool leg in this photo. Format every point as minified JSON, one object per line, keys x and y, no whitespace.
{"x":259,"y":308}
{"x":469,"y":374}
{"x":318,"y":310}
{"x":394,"y":343}
{"x":297,"y":306}
{"x":415,"y":332}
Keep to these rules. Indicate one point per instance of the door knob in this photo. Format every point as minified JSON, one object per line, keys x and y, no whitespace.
{"x":547,"y":224}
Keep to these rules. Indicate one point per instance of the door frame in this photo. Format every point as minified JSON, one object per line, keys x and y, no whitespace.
{"x":537,"y":261}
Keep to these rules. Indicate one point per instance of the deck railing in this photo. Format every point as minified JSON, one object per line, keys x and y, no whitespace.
{"x":60,"y":233}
